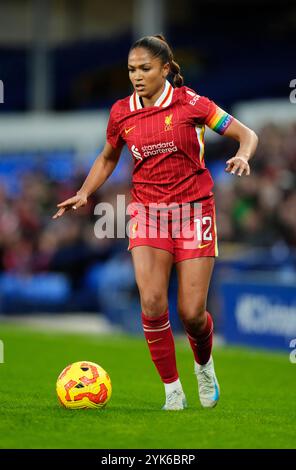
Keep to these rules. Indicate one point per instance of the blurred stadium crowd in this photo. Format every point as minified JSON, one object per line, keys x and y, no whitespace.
{"x":71,"y":60}
{"x":261,"y":210}
{"x":258,"y":211}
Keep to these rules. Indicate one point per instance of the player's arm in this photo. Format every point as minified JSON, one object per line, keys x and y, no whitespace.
{"x":248,"y":141}
{"x":99,"y":173}
{"x":207,"y":112}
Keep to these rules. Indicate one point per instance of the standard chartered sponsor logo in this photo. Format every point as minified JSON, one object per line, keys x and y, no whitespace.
{"x":136,"y":153}
{"x":257,"y":314}
{"x":154,"y":149}
{"x":161,"y":147}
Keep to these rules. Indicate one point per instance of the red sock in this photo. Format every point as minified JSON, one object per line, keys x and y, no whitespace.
{"x":202,"y":344}
{"x":161,"y":344}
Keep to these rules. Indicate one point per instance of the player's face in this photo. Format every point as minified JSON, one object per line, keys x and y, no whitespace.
{"x":147,"y":73}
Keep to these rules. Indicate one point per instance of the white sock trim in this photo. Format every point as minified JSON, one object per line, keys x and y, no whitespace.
{"x":176,"y":385}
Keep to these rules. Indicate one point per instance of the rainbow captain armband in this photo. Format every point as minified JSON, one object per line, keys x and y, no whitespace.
{"x":218,"y":120}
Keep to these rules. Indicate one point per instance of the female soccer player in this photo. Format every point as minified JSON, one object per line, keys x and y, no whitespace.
{"x":163,"y":126}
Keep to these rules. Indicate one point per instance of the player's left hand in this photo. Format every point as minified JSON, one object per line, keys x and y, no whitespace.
{"x":238,"y":165}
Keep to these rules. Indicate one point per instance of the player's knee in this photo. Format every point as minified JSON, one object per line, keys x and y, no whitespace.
{"x":193,"y":316}
{"x":154,"y":303}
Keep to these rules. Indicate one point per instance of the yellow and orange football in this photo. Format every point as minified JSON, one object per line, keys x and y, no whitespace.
{"x":84,"y":384}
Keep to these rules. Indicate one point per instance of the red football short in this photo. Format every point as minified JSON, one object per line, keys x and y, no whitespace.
{"x":187,"y":231}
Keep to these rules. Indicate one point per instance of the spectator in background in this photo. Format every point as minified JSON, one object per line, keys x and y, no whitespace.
{"x":259,"y":212}
{"x":28,"y":241}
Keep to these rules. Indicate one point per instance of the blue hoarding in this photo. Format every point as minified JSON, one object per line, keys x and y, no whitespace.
{"x":259,"y":313}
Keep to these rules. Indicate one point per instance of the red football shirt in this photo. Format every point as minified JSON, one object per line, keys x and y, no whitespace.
{"x":167,"y":143}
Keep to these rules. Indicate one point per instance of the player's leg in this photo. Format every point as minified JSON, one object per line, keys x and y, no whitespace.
{"x":194,"y":277}
{"x":152,"y":271}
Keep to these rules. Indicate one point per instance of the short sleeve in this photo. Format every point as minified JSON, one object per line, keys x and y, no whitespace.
{"x":113,"y":132}
{"x":205,"y":111}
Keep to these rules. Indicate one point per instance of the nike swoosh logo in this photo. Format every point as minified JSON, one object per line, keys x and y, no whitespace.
{"x":134,"y":227}
{"x":203,"y":246}
{"x":154,"y":340}
{"x":129,"y":129}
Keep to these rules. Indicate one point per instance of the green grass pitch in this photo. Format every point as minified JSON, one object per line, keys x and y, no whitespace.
{"x":256,"y":409}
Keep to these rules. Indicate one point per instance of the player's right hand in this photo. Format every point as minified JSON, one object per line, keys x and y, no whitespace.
{"x":74,"y":203}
